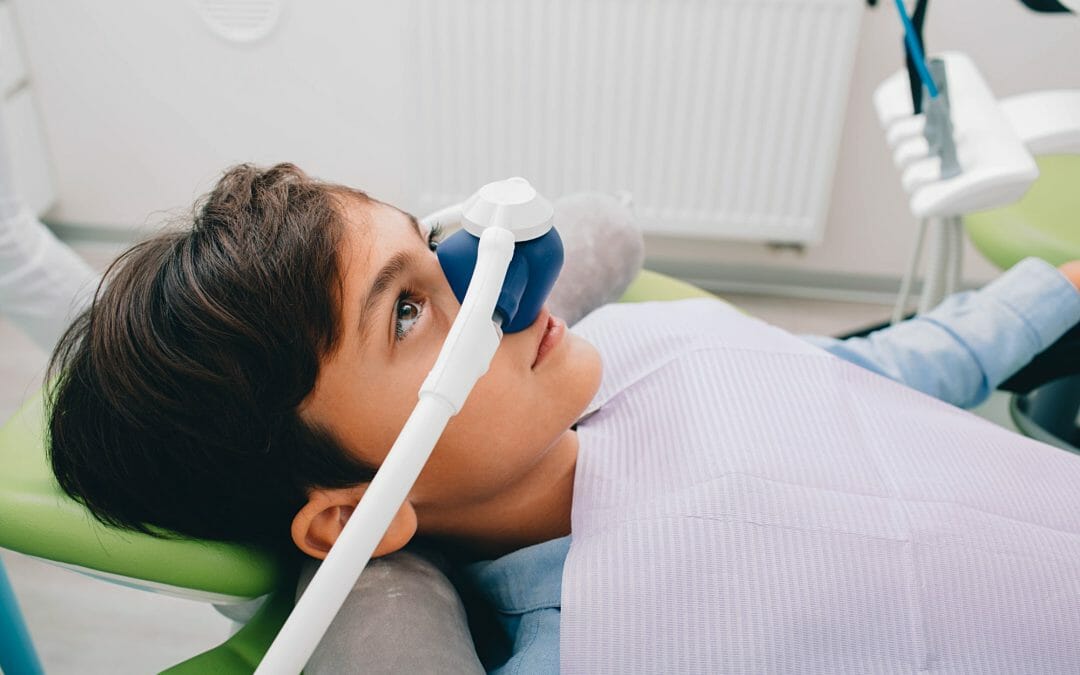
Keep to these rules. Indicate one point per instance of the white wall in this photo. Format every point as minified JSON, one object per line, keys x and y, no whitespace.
{"x":92,"y":64}
{"x":869,"y":229}
{"x":143,"y":106}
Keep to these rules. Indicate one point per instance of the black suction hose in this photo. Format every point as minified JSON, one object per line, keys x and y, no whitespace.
{"x":1045,"y":6}
{"x":918,"y":18}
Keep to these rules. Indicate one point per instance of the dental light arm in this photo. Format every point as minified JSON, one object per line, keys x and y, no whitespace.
{"x":465,"y":356}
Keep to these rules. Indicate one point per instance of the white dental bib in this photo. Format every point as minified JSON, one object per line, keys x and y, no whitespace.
{"x":745,"y":502}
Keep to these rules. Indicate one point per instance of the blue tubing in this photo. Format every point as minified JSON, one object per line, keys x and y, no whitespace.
{"x":916,"y":51}
{"x":17,"y":656}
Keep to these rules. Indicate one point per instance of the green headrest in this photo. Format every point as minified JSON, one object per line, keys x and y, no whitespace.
{"x":37,"y":519}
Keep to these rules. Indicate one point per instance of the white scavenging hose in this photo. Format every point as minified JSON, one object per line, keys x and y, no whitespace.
{"x":934,"y":283}
{"x":909,"y":275}
{"x":954,"y":264}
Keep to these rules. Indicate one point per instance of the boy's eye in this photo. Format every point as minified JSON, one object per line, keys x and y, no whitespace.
{"x":406,"y":313}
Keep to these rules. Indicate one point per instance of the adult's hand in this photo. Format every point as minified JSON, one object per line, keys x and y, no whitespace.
{"x":1071,"y":270}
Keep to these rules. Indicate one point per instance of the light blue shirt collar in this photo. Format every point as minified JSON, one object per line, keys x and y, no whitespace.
{"x":525,"y":580}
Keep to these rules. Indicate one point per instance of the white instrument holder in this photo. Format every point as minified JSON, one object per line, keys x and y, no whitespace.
{"x":997,"y":166}
{"x":995,"y":141}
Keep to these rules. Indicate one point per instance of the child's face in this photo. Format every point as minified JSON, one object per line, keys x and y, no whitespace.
{"x":390,"y":340}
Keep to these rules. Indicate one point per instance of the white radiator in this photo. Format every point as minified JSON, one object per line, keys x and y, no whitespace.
{"x":721,"y":117}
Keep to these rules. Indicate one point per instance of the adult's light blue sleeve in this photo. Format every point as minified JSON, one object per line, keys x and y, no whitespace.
{"x":961,"y":350}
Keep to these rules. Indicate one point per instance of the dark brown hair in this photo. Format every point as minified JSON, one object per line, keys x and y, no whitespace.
{"x":174,"y":397}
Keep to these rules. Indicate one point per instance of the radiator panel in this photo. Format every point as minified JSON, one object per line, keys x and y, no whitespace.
{"x":722,"y":118}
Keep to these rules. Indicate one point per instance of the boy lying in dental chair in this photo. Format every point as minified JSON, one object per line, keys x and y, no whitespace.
{"x":740,"y":500}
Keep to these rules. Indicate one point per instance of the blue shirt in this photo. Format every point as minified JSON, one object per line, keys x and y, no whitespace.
{"x":959,"y":353}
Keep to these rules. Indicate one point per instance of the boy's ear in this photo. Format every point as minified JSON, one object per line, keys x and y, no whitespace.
{"x":318,"y":524}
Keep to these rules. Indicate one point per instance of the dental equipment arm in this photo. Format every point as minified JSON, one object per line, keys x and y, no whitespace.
{"x":1052,"y":5}
{"x":470,"y":345}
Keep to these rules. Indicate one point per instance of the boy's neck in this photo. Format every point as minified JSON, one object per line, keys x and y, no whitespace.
{"x":533,"y":510}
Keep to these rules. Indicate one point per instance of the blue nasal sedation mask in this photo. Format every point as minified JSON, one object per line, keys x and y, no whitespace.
{"x":538,"y":250}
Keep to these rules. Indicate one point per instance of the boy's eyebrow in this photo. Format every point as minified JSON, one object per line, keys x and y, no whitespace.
{"x":396,"y":266}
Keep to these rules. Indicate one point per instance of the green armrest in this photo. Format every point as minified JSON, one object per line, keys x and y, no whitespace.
{"x":243,"y":651}
{"x":1044,"y":224}
{"x":37,"y":519}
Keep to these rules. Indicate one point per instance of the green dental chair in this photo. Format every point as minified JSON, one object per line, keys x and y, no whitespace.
{"x":37,"y":519}
{"x":1045,"y":223}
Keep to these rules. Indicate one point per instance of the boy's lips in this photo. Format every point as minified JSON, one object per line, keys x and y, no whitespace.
{"x":552,"y":333}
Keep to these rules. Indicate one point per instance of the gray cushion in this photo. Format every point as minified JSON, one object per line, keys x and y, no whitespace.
{"x":402,"y":616}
